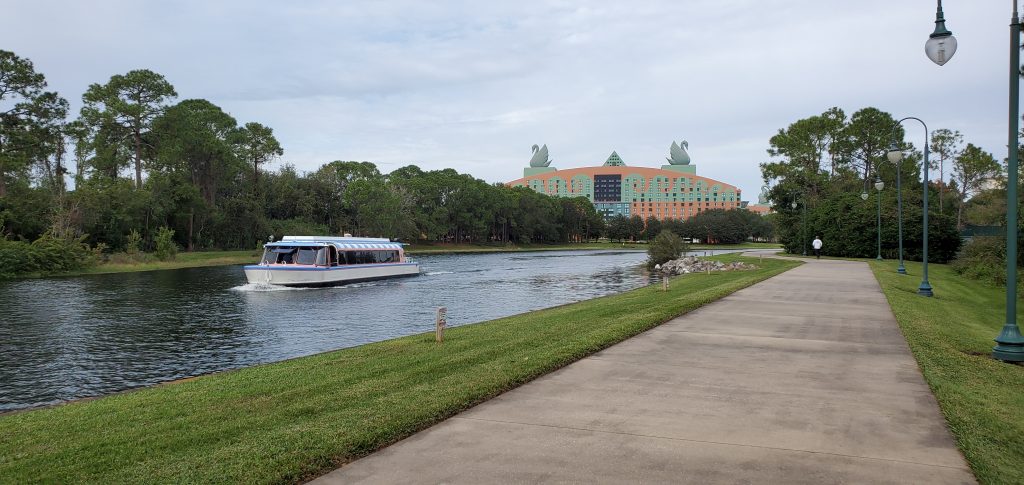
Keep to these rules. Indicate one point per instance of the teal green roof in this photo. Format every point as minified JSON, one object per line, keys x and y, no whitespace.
{"x":614,"y":161}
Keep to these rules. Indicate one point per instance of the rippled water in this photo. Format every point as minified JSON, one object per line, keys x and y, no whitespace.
{"x":69,"y":338}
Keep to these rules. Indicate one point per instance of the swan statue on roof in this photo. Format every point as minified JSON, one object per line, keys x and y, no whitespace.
{"x":540,"y":157}
{"x":677,"y":153}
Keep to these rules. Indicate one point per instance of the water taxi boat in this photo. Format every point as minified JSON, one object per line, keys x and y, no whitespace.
{"x":330,"y":261}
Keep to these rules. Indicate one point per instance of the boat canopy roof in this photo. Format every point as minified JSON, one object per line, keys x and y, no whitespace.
{"x":346,"y":239}
{"x":342,"y":243}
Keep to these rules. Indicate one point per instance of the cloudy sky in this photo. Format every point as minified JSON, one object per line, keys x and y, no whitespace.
{"x":473,"y":84}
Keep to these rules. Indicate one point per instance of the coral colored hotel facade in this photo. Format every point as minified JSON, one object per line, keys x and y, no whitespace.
{"x":674,"y":191}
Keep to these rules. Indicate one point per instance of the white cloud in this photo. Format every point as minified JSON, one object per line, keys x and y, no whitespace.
{"x":472,"y":85}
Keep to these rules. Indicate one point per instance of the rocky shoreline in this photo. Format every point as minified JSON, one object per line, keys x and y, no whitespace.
{"x":691,"y":264}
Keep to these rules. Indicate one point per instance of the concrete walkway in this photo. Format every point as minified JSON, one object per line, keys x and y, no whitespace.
{"x":803,"y":378}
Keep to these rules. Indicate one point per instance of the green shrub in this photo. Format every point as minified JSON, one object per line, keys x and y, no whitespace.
{"x":14,"y":258}
{"x":166,"y":249}
{"x":46,"y":255}
{"x":665,"y":247}
{"x":133,"y":243}
{"x":984,"y":258}
{"x":52,"y":254}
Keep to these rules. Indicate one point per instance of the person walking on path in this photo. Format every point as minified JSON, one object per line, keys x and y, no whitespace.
{"x":816,"y":244}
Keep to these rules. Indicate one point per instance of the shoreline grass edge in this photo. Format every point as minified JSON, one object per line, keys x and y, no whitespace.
{"x":293,"y":420}
{"x":951,"y":337}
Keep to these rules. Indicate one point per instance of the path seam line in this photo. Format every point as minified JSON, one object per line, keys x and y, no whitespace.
{"x":690,"y":440}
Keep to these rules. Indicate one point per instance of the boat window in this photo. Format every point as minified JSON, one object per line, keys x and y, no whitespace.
{"x":370,"y":257}
{"x":332,"y":256}
{"x":321,"y":257}
{"x":305,"y":256}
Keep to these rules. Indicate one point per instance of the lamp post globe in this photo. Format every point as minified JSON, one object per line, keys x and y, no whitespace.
{"x":941,"y":44}
{"x":793,"y":205}
{"x":864,"y":195}
{"x":895,"y":156}
{"x":879,"y":185}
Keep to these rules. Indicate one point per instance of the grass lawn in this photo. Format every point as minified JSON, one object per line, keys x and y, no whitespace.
{"x":182,"y":260}
{"x":951,"y":338}
{"x":294,"y":420}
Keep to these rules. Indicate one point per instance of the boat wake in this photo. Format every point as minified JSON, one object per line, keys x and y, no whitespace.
{"x":264,"y":287}
{"x":435,"y":273}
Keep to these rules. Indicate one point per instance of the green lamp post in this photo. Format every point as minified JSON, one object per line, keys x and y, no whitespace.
{"x":803,"y":223}
{"x":925,"y":288}
{"x":896,"y":156}
{"x":1010,"y":343}
{"x":879,"y":185}
{"x":940,"y":47}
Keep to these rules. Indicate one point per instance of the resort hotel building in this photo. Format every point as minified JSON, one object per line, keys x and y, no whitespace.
{"x":674,"y":191}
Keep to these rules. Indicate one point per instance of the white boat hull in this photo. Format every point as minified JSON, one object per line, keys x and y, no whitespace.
{"x":298,"y":275}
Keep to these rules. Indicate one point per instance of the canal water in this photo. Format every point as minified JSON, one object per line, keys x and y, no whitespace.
{"x":69,"y":338}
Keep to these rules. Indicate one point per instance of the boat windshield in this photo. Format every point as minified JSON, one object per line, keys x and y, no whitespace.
{"x":292,"y":255}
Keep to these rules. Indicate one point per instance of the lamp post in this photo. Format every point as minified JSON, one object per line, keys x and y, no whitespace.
{"x":1010,"y":343}
{"x":940,"y":47}
{"x":879,"y":185}
{"x":803,"y":224}
{"x":925,"y":289}
{"x":896,"y":157}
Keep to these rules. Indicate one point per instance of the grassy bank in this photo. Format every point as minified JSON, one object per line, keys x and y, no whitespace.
{"x":293,"y":420}
{"x":182,"y":260}
{"x":951,"y":338}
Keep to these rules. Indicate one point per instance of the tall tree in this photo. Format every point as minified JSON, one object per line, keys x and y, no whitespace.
{"x":194,"y":148}
{"x":972,"y":169}
{"x":31,"y":119}
{"x":256,"y":145}
{"x":868,"y":136}
{"x":130,"y":102}
{"x":946,"y":145}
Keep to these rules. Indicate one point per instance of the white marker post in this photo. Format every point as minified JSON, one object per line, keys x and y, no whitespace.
{"x":442,"y":320}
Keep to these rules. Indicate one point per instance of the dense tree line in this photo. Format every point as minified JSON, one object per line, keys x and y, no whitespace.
{"x":715,"y":226}
{"x":822,"y":165}
{"x":144,"y":160}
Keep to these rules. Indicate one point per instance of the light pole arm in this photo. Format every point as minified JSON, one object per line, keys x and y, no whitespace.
{"x":925,"y":289}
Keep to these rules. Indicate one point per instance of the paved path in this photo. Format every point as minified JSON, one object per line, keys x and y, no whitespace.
{"x":803,"y":378}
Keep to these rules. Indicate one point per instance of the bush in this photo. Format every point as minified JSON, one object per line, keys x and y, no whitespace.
{"x":984,"y":258}
{"x":46,"y":255}
{"x":166,"y":249}
{"x":133,"y":243}
{"x":665,"y":247}
{"x":14,"y":258}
